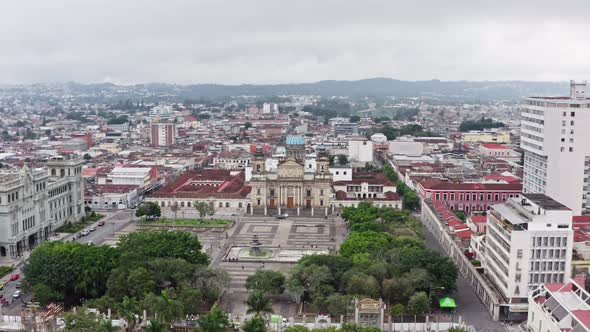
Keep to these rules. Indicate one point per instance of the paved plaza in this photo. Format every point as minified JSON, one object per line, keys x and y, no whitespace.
{"x":289,"y":237}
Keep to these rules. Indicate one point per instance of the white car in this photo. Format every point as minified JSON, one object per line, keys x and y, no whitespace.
{"x":16,"y":294}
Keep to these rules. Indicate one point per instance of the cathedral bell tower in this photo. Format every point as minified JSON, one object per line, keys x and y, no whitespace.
{"x":322,"y":160}
{"x":259,"y":161}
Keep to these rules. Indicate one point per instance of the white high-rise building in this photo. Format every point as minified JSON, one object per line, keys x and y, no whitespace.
{"x":555,"y":136}
{"x":529,"y":242}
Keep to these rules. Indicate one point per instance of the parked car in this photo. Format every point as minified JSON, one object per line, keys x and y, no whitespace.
{"x":84,"y":233}
{"x":2,"y":300}
{"x":92,"y":229}
{"x":101,"y":223}
{"x":281,"y":216}
{"x":14,"y":277}
{"x":18,"y":284}
{"x":16,"y":294}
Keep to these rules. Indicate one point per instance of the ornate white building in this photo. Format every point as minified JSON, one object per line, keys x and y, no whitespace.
{"x":292,"y":186}
{"x":35,"y":202}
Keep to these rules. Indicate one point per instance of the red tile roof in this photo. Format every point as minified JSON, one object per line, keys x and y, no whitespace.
{"x":479,"y":219}
{"x":206,"y":183}
{"x":583,"y":316}
{"x":495,"y":146}
{"x":437,"y":184}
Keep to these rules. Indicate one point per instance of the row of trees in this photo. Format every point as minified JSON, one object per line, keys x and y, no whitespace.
{"x":162,"y":272}
{"x":152,"y":210}
{"x":411,"y":201}
{"x":481,"y":124}
{"x":413,"y":130}
{"x":384,"y":256}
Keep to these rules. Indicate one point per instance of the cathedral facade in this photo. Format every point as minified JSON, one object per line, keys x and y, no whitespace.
{"x":292,"y":186}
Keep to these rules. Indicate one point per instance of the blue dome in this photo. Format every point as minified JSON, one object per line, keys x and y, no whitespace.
{"x":295,"y":140}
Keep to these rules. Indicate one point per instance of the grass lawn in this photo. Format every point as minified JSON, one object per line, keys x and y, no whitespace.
{"x":75,"y":227}
{"x":188,"y":222}
{"x":4,"y":270}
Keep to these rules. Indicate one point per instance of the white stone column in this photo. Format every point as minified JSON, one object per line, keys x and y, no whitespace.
{"x":265,"y":209}
{"x":312,"y":210}
{"x":298,"y":212}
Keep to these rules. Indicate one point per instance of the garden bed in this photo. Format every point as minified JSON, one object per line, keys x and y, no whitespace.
{"x":188,"y":222}
{"x":75,"y":227}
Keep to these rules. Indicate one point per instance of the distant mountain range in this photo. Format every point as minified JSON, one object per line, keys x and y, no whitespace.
{"x":373,"y":87}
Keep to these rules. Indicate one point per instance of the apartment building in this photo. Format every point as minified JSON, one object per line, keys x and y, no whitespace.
{"x":555,"y":132}
{"x":529,"y":242}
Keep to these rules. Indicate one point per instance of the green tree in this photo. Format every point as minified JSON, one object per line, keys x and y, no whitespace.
{"x":258,"y":303}
{"x":411,"y":201}
{"x":87,"y":156}
{"x":363,"y":284}
{"x":337,"y":304}
{"x":127,"y":309}
{"x":204,"y":208}
{"x":140,"y":246}
{"x":419,"y":304}
{"x":167,"y":308}
{"x":256,"y":324}
{"x":355,"y":119}
{"x":457,"y":329}
{"x":342,"y":159}
{"x":267,"y":282}
{"x":149,"y":210}
{"x":106,"y":325}
{"x":215,"y":321}
{"x":80,"y":321}
{"x":210,"y":282}
{"x":155,"y":325}
{"x":247,"y":125}
{"x":365,"y":242}
{"x":45,"y":295}
{"x":140,"y":282}
{"x":397,"y":309}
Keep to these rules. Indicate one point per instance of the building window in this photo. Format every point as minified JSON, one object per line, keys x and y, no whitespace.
{"x":573,"y":114}
{"x":258,"y":191}
{"x":220,"y":204}
{"x":308,"y":193}
{"x":227,"y":204}
{"x":322,"y":192}
{"x":437,"y":196}
{"x":258,"y":202}
{"x":240,"y":205}
{"x":572,"y":122}
{"x":571,"y":149}
{"x":445,"y":196}
{"x":272,"y":192}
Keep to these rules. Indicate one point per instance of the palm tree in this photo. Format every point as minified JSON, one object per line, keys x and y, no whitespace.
{"x":255,"y":324}
{"x":257,"y":302}
{"x":168,"y":309}
{"x":128,"y":308}
{"x":155,"y":325}
{"x":215,"y":321}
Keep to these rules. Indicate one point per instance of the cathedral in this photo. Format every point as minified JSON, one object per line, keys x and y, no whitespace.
{"x":292,"y":186}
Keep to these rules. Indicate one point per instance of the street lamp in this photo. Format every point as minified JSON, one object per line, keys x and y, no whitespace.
{"x":430,"y":295}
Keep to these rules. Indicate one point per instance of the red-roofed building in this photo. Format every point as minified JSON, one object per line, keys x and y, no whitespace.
{"x":222,"y":189}
{"x":467,"y":197}
{"x":497,"y":151}
{"x":477,"y":223}
{"x":559,"y":307}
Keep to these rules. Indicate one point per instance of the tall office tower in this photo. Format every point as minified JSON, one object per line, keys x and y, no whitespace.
{"x":529,"y":242}
{"x":162,"y":134}
{"x":555,"y":137}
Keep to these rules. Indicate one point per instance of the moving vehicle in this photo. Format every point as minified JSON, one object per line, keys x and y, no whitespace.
{"x":16,"y":294}
{"x":281,"y":216}
{"x":18,"y":284}
{"x":14,"y":277}
{"x":101,"y":223}
{"x":84,"y":233}
{"x":92,"y":229}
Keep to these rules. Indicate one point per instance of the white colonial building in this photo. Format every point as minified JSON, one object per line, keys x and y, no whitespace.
{"x":34,"y":202}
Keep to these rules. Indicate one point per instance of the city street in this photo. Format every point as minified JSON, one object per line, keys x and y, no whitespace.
{"x":468,"y":304}
{"x":114,"y":222}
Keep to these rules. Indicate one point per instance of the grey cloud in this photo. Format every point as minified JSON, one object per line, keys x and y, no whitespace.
{"x":263,"y":41}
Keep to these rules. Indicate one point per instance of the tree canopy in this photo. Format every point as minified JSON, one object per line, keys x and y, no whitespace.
{"x":383,"y":257}
{"x":481,"y":124}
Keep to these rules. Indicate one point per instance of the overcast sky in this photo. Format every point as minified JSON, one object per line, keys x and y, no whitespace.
{"x":283,"y":41}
